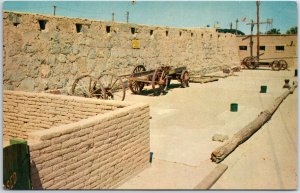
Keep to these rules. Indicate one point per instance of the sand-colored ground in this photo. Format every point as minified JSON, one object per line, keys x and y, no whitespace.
{"x":185,"y":119}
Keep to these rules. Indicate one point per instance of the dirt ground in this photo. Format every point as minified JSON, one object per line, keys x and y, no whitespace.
{"x":185,"y":119}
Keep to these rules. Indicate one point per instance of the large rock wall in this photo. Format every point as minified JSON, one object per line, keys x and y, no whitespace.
{"x":40,"y":59}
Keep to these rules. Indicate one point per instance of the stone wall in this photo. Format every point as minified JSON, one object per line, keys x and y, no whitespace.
{"x":45,"y":52}
{"x":99,"y":152}
{"x":290,"y":43}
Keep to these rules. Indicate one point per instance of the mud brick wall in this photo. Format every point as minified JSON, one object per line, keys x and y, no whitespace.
{"x":47,"y":52}
{"x":100,"y":152}
{"x":24,"y":112}
{"x":96,"y":152}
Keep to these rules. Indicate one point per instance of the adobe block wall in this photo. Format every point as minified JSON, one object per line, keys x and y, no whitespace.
{"x":40,"y":59}
{"x":99,"y":152}
{"x":24,"y":112}
{"x":290,"y":43}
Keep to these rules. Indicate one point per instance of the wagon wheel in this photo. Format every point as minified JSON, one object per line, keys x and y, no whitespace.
{"x":135,"y":86}
{"x":185,"y":78}
{"x":159,"y":81}
{"x":114,"y":87}
{"x":283,"y":64}
{"x":243,"y":63}
{"x":87,"y":86}
{"x":276,"y":65}
{"x":251,"y":62}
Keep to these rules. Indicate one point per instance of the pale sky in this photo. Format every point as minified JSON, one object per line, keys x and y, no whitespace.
{"x":170,"y":13}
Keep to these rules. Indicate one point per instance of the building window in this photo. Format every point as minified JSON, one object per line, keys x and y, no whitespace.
{"x":16,"y":24}
{"x":279,"y":48}
{"x":151,"y":32}
{"x":243,"y":47}
{"x":78,"y":27}
{"x":132,"y":30}
{"x":108,"y":29}
{"x":42,"y":24}
{"x":263,"y":48}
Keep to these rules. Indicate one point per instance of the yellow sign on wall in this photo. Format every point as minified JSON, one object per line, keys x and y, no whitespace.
{"x":136,"y":44}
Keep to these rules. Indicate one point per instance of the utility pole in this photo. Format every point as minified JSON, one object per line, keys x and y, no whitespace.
{"x":54,"y":9}
{"x":257,"y":20}
{"x":230,"y":25}
{"x":113,"y":16}
{"x":236,"y":26}
{"x":251,"y":40}
{"x":127,"y":16}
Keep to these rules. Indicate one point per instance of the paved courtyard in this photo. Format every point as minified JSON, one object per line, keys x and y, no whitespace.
{"x":185,"y":119}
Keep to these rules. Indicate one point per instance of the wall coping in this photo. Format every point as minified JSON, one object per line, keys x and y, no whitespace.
{"x":88,"y":21}
{"x":119,"y":104}
{"x":39,"y":136}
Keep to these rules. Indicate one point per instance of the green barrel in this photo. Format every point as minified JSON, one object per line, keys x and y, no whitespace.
{"x":263,"y":89}
{"x":234,"y":107}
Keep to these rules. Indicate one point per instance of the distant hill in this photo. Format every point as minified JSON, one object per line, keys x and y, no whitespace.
{"x":230,"y":31}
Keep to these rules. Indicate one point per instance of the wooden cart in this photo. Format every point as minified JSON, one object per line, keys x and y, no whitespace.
{"x":159,"y":79}
{"x":111,"y":87}
{"x":252,"y":63}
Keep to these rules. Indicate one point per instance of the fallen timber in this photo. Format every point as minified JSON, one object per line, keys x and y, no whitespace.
{"x":202,"y":79}
{"x":241,"y":136}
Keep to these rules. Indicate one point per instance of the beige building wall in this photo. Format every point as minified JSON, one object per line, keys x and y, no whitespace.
{"x":289,"y":42}
{"x":38,"y":59}
{"x":104,"y":144}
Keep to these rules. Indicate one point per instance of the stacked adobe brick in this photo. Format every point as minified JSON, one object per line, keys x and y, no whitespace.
{"x":99,"y":146}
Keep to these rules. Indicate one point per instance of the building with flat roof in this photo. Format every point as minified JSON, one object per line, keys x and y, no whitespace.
{"x":273,"y":47}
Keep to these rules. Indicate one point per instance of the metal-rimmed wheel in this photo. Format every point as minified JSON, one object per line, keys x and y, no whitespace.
{"x":113,"y":86}
{"x":159,"y":81}
{"x":185,"y":78}
{"x":283,"y":64}
{"x":135,"y":86}
{"x":276,"y":66}
{"x":88,"y":86}
{"x":251,"y":62}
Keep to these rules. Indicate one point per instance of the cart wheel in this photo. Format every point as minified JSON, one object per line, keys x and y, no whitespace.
{"x":159,"y":81}
{"x":114,"y":87}
{"x":251,"y":62}
{"x":243,"y":63}
{"x":87,"y":86}
{"x":185,"y":78}
{"x":135,"y":86}
{"x":276,"y":65}
{"x":283,"y":64}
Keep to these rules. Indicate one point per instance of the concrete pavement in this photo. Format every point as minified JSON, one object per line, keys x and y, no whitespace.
{"x":185,"y":119}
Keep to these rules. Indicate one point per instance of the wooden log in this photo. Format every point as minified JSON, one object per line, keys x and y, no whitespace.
{"x":203,"y":80}
{"x":241,"y":136}
{"x":212,"y":177}
{"x":216,"y":76}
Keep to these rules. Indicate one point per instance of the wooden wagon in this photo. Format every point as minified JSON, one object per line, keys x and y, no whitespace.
{"x":159,"y":79}
{"x":111,"y":87}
